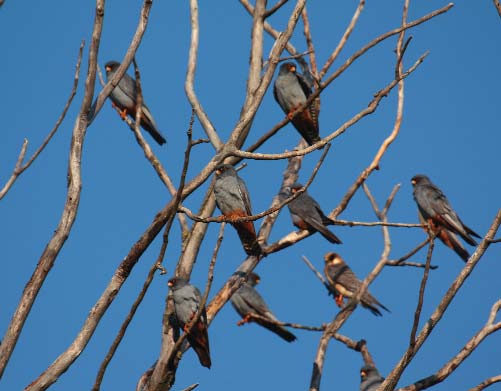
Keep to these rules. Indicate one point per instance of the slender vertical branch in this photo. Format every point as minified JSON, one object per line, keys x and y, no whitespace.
{"x":70,"y":209}
{"x":190,"y":79}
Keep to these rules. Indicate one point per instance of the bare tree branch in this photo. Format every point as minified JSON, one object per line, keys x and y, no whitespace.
{"x":486,"y":383}
{"x":51,"y":374}
{"x":442,"y":374}
{"x":52,"y":249}
{"x":497,"y":4}
{"x":396,"y":373}
{"x":275,"y":8}
{"x":343,"y":39}
{"x":190,"y":77}
{"x":20,"y":168}
{"x":419,"y":306}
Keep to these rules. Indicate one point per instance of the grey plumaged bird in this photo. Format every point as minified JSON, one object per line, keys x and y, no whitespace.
{"x":370,"y":379}
{"x":187,"y":299}
{"x":435,"y":210}
{"x":291,"y":90}
{"x":124,"y":96}
{"x":307,"y":214}
{"x":232,"y":198}
{"x":247,"y":300}
{"x":342,"y":278}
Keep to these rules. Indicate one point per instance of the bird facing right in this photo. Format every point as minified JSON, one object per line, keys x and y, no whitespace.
{"x":291,"y":90}
{"x":342,"y":279}
{"x":124,"y":96}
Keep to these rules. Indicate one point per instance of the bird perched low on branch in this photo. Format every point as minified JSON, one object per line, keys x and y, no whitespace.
{"x":343,"y":280}
{"x":306,"y":214}
{"x":247,"y":301}
{"x":232,"y":198}
{"x":436,"y":212}
{"x":124,"y":96}
{"x":187,"y":299}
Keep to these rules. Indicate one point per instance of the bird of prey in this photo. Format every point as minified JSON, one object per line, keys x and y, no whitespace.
{"x":306,"y":214}
{"x":370,"y":379}
{"x":291,"y":90}
{"x":124,"y":96}
{"x":435,"y":210}
{"x":187,"y":300}
{"x":342,"y":279}
{"x":232,"y":198}
{"x":246,"y":301}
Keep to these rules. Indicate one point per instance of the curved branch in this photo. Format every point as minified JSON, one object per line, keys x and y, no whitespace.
{"x":393,"y":378}
{"x":20,"y":168}
{"x":190,"y":77}
{"x":443,"y":373}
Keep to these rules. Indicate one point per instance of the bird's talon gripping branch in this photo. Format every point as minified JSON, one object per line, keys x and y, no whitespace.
{"x":123,"y":114}
{"x":339,"y":299}
{"x":244,"y":320}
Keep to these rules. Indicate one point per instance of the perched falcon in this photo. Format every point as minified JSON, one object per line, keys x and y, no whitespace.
{"x":343,"y":280}
{"x":435,"y":211}
{"x":306,"y":214}
{"x":291,"y":90}
{"x":232,"y":198}
{"x":370,"y":379}
{"x":246,"y":300}
{"x":187,"y":300}
{"x":124,"y":97}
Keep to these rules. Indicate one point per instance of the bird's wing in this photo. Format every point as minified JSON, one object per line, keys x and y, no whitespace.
{"x":244,"y":194}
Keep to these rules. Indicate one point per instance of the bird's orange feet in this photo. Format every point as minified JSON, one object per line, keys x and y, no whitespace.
{"x":244,"y":320}
{"x":339,"y":299}
{"x":123,"y":114}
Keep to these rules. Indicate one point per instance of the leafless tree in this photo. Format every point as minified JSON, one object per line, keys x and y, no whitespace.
{"x":262,"y":68}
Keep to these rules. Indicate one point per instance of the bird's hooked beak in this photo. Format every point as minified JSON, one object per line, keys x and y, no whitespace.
{"x":107,"y":68}
{"x":413,"y":181}
{"x":170,"y":283}
{"x":363,"y":374}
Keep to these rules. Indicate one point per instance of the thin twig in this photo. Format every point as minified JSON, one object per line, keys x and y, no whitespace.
{"x":487,"y":382}
{"x":497,"y":4}
{"x":343,"y":40}
{"x":394,"y":376}
{"x":266,"y":212}
{"x":450,"y":366}
{"x":190,"y":79}
{"x":410,"y":254}
{"x":419,"y":306}
{"x":309,"y":43}
{"x":275,"y":8}
{"x":121,"y":333}
{"x":319,"y":276}
{"x":65,"y":359}
{"x":20,"y":168}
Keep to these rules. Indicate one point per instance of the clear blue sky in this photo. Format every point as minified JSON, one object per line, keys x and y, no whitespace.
{"x":450,"y":131}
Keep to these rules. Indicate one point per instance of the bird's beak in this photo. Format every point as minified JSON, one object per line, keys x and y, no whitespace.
{"x":218,"y":172}
{"x":170,"y":283}
{"x":107,"y":69}
{"x":292,"y":69}
{"x":363,"y":374}
{"x":413,"y":182}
